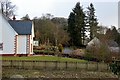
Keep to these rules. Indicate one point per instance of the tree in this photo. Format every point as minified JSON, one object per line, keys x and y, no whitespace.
{"x":48,"y":31}
{"x":26,"y":17}
{"x":8,"y":8}
{"x":47,"y":16}
{"x":76,"y":25}
{"x":92,"y":21}
{"x":112,"y":34}
{"x":115,"y":35}
{"x":115,"y":68}
{"x":71,"y":28}
{"x":62,"y":36}
{"x":118,"y":39}
{"x":109,"y":34}
{"x":37,"y":35}
{"x":98,"y":49}
{"x":61,"y":21}
{"x":61,"y":30}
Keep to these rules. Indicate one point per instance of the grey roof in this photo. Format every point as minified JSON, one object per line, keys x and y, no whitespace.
{"x":96,"y":41}
{"x":112,"y":43}
{"x":21,"y":27}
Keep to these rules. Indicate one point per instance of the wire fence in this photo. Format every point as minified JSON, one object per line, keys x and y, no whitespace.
{"x":54,"y":65}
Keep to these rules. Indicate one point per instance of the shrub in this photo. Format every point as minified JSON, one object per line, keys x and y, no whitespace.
{"x":115,"y":67}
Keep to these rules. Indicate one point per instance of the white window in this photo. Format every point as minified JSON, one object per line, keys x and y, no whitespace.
{"x":1,"y":46}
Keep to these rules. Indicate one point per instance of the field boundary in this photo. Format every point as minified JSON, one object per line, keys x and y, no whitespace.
{"x":54,"y":65}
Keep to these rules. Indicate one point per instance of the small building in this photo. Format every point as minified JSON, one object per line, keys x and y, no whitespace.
{"x":112,"y":45}
{"x":16,"y":36}
{"x":35,"y":43}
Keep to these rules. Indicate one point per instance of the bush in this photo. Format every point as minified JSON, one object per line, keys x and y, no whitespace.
{"x":115,"y":67}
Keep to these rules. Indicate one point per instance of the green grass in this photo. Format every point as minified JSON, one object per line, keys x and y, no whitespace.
{"x":43,"y":58}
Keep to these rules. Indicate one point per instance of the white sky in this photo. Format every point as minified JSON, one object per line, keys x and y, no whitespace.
{"x":106,"y":10}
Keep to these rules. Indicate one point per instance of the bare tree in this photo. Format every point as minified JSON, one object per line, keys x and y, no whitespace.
{"x":26,"y":17}
{"x":8,"y":8}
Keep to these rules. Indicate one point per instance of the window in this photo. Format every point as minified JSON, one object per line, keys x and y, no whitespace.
{"x":1,"y":46}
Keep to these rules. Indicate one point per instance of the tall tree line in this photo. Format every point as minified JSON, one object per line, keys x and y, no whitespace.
{"x":51,"y":30}
{"x":79,"y":22}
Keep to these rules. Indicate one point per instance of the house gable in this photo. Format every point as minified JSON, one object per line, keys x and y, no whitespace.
{"x":8,"y":36}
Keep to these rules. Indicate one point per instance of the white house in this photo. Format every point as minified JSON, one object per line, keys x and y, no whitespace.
{"x":16,"y":37}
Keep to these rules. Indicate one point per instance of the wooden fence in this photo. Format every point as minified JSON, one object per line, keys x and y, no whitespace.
{"x":54,"y":65}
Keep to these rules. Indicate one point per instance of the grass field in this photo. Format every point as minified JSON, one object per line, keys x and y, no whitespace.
{"x":62,"y":74}
{"x":43,"y":58}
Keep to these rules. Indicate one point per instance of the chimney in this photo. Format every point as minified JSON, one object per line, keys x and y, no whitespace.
{"x":14,"y":17}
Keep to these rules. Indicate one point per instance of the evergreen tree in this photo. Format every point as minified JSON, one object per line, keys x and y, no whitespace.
{"x":114,"y":33}
{"x":71,"y":28}
{"x":92,"y":21}
{"x":76,"y":25}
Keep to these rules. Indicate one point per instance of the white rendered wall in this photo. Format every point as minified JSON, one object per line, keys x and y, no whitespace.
{"x":0,"y":27}
{"x":31,"y":39}
{"x":8,"y":37}
{"x":1,"y":31}
{"x":21,"y":44}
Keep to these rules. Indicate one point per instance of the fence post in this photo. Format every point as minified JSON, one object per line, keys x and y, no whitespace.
{"x":66,"y":65}
{"x":76,"y":65}
{"x":45,"y":65}
{"x":107,"y":66}
{"x":22,"y":64}
{"x":97,"y":66}
{"x":18,"y":64}
{"x":33,"y":64}
{"x":11,"y":62}
{"x":56,"y":64}
{"x":86,"y":65}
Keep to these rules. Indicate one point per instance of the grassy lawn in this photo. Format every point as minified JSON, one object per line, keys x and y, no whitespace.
{"x":42,"y":58}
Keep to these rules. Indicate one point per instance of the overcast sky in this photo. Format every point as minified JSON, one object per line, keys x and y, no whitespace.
{"x":106,"y":10}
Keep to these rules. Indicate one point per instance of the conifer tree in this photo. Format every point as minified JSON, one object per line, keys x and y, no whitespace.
{"x":92,"y":21}
{"x":76,"y":25}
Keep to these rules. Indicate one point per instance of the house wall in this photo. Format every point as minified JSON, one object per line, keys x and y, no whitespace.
{"x":114,"y":49}
{"x":31,"y":44}
{"x":8,"y":37}
{"x":0,"y":30}
{"x":31,"y":39}
{"x":22,"y":44}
